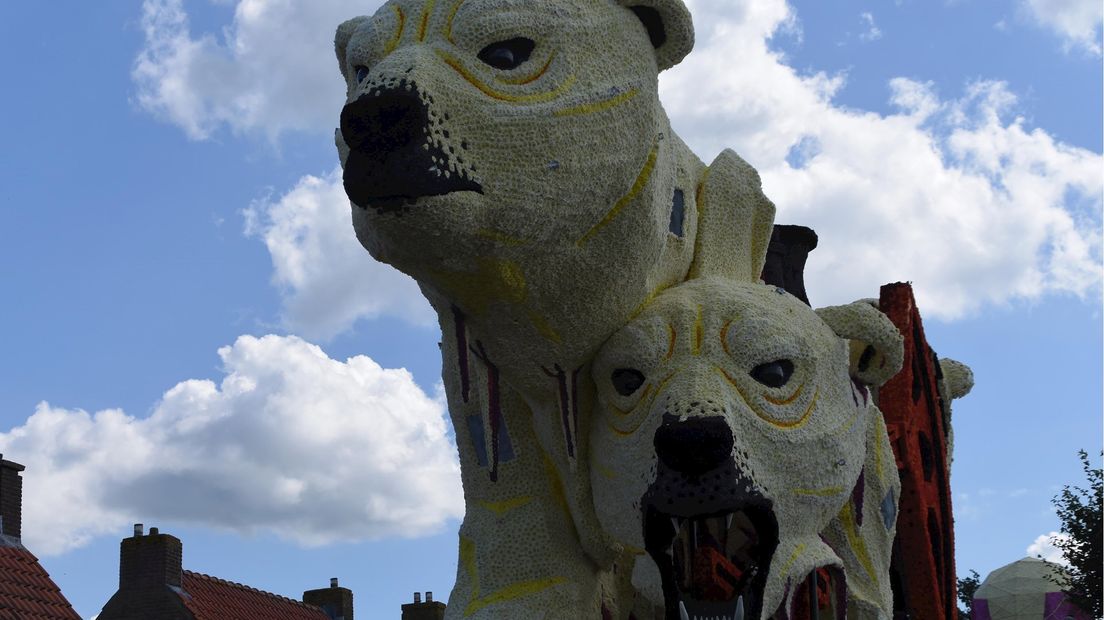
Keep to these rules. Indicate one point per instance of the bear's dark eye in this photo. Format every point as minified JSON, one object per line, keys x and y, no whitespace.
{"x":509,"y":54}
{"x":627,"y":380}
{"x":361,"y":73}
{"x":773,"y":374}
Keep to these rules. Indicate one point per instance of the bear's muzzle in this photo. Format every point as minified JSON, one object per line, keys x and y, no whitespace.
{"x":392,"y":160}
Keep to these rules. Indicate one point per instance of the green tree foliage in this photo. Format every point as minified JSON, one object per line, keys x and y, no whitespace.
{"x":967,"y":586}
{"x":1080,"y":512}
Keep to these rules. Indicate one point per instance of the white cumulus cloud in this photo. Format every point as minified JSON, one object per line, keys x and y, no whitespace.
{"x":290,"y":441}
{"x":951,"y":189}
{"x":1044,"y":547}
{"x":957,"y":195}
{"x":271,"y":70}
{"x":1078,"y":22}
{"x":328,"y":280}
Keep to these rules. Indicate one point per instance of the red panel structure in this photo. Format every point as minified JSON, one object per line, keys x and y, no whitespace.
{"x":923,"y":570}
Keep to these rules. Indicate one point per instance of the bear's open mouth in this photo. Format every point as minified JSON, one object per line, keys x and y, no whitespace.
{"x":712,"y":565}
{"x":393,"y":181}
{"x":395,"y":203}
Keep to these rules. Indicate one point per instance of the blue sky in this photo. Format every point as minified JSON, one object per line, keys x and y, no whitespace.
{"x":176,"y":249}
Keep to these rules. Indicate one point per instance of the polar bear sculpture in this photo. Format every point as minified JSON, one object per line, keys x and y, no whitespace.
{"x":513,"y":157}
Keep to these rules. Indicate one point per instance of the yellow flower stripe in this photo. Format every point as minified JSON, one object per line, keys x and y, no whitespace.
{"x":501,"y":96}
{"x":426,"y":12}
{"x":506,"y":505}
{"x":637,"y":187}
{"x":515,"y":591}
{"x":597,"y":106}
{"x":393,"y":42}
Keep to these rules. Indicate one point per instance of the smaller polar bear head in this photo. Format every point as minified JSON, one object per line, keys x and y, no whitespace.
{"x":731,"y":429}
{"x":474,"y":124}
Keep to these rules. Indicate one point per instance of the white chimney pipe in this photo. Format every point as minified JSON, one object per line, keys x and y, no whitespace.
{"x":137,"y":530}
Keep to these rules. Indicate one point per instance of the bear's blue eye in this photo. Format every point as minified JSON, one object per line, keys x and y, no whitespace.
{"x":506,"y":55}
{"x":361,"y":73}
{"x":773,"y":374}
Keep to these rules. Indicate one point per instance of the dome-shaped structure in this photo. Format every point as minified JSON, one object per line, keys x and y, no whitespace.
{"x":1022,"y":591}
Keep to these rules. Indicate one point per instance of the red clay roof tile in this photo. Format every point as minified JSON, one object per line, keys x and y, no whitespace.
{"x":211,"y":598}
{"x":26,"y":590}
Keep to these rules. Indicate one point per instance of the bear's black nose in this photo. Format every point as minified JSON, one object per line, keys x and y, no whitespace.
{"x":695,"y":445}
{"x":385,"y":122}
{"x":392,"y":159}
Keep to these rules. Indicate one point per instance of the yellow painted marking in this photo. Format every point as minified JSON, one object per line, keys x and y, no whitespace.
{"x":528,"y":79}
{"x":858,"y":545}
{"x":606,"y":472}
{"x":426,"y":12}
{"x":495,"y":280}
{"x":648,"y":300}
{"x":766,"y":418}
{"x":501,"y":96}
{"x":506,"y":505}
{"x":808,"y":412}
{"x":670,"y":342}
{"x":793,"y":558}
{"x":724,"y":337}
{"x":448,"y":21}
{"x":597,"y":106}
{"x":698,"y":331}
{"x":467,"y":560}
{"x":494,"y":235}
{"x":544,"y":328}
{"x":511,"y":592}
{"x":643,"y":396}
{"x":825,"y":492}
{"x":556,"y":486}
{"x":638,"y":186}
{"x":855,"y":418}
{"x":843,"y":428}
{"x":785,"y":401}
{"x":878,"y":458}
{"x":699,"y":202}
{"x":625,"y":433}
{"x":645,"y":401}
{"x":663,"y":384}
{"x":878,"y":447}
{"x":393,"y":42}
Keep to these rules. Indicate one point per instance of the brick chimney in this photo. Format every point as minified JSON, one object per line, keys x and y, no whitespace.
{"x":786,"y":255}
{"x":11,"y":500}
{"x":336,"y":601}
{"x":429,"y":610}
{"x":152,"y":561}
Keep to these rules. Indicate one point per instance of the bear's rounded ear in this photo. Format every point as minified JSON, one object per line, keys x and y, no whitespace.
{"x":877,"y":347}
{"x":957,"y":377}
{"x":341,"y":41}
{"x":669,"y":26}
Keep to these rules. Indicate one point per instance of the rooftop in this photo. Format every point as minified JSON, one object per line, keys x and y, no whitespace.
{"x":26,"y":590}
{"x":211,"y":598}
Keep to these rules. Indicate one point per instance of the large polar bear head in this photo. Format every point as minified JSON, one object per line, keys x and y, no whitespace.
{"x":734,"y":427}
{"x":506,"y":153}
